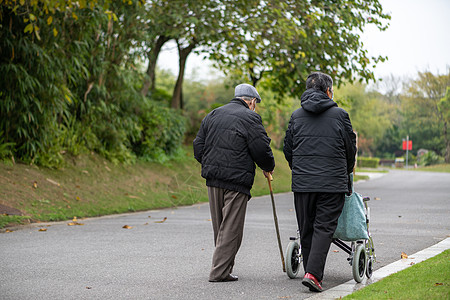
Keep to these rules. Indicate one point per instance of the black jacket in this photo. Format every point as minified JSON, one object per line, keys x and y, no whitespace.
{"x":230,"y":140}
{"x":320,"y":145}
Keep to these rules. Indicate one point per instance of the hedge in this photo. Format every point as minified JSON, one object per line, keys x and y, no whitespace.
{"x":368,"y":162}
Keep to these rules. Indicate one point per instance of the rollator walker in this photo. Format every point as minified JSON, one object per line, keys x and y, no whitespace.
{"x":361,"y":251}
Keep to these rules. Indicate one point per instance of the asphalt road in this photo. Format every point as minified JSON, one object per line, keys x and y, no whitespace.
{"x":171,"y":260}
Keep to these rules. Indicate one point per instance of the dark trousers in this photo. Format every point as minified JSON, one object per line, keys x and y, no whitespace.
{"x":317,"y":216}
{"x":228,"y":215}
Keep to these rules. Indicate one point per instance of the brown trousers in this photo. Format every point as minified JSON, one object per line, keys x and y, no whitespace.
{"x":228,"y":215}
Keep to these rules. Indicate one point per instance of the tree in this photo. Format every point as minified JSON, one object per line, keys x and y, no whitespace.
{"x":370,"y":113}
{"x":425,"y":111}
{"x":286,"y":40}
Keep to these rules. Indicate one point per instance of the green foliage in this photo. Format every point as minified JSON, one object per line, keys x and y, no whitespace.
{"x":76,"y":90}
{"x":162,"y":131}
{"x":286,"y":40}
{"x":6,"y":149}
{"x":371,"y":115}
{"x":368,"y":162}
{"x":422,"y":118}
{"x":430,"y":158}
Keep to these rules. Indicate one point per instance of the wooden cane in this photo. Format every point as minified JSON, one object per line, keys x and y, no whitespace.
{"x":269,"y":179}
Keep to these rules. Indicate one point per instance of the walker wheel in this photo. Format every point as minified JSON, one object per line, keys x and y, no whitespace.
{"x":369,"y":268}
{"x":293,"y":259}
{"x":359,"y":263}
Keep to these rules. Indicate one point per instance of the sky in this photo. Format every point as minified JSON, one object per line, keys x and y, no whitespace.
{"x":418,"y":39}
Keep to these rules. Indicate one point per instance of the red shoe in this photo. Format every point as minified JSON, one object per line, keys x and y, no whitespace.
{"x":310,"y":281}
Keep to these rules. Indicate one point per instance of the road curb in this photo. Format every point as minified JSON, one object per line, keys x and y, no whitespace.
{"x":351,"y":286}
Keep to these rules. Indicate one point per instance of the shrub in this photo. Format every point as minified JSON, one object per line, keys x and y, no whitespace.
{"x":430,"y":158}
{"x":368,"y":162}
{"x":162,"y":130}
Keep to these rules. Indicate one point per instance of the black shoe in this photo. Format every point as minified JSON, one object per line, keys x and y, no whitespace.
{"x":230,"y":277}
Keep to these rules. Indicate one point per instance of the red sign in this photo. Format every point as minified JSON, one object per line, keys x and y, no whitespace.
{"x":409,"y":145}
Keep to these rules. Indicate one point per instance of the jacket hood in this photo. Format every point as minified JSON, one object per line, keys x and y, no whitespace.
{"x":316,"y":101}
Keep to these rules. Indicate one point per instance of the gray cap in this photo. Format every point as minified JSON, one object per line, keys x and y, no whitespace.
{"x":247,"y":90}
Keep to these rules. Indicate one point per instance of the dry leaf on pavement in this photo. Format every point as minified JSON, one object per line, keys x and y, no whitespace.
{"x":404,"y":255}
{"x":127,"y":227}
{"x":43,"y":229}
{"x":163,"y":220}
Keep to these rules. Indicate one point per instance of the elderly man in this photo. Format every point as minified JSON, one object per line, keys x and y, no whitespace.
{"x":230,"y":141}
{"x":320,"y":147}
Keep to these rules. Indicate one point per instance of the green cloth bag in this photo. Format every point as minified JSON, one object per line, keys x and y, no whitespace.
{"x":352,"y":222}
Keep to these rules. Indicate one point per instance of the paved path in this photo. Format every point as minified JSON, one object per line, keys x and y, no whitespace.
{"x":171,"y":260}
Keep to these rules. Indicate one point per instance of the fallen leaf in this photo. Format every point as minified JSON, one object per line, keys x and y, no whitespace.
{"x":133,"y":197}
{"x":106,"y":167}
{"x":163,"y":220}
{"x":174,"y":197}
{"x":335,"y":251}
{"x":43,"y":229}
{"x":77,"y":198}
{"x":438,"y":283}
{"x":203,"y":249}
{"x":149,"y":216}
{"x":78,"y":187}
{"x":377,"y":198}
{"x":291,"y":209}
{"x":74,"y":223}
{"x":88,"y":287}
{"x":7,"y":230}
{"x":404,"y":255}
{"x":146,"y":223}
{"x":399,"y":216}
{"x":35,"y":184}
{"x":74,"y":218}
{"x":208,"y":220}
{"x":85,"y":172}
{"x":127,"y":227}
{"x":412,"y":263}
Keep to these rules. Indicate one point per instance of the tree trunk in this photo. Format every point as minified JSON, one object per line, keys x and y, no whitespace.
{"x":149,"y":82}
{"x":252,"y":73}
{"x":177,"y":97}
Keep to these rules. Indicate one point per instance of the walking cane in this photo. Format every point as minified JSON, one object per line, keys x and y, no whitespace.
{"x":269,"y":179}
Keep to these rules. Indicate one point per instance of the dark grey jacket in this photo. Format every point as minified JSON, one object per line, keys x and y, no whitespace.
{"x":230,"y":140}
{"x":320,"y":145}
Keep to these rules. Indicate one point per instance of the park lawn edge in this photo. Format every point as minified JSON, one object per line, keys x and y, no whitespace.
{"x":429,"y":279}
{"x":91,"y":186}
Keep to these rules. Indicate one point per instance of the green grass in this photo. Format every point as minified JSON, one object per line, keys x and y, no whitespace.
{"x":444,"y":168}
{"x":91,"y":186}
{"x":371,"y":170}
{"x":429,"y":279}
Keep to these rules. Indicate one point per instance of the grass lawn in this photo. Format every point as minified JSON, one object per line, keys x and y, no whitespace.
{"x":91,"y":186}
{"x":429,"y":279}
{"x":436,"y":168}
